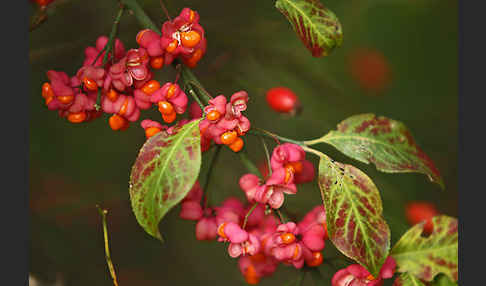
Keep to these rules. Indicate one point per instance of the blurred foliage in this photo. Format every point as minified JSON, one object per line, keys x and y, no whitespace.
{"x":251,"y":46}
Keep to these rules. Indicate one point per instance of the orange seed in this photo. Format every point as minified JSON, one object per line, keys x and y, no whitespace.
{"x":151,"y":86}
{"x":228,"y":137}
{"x":151,"y":131}
{"x":237,"y":145}
{"x":77,"y":117}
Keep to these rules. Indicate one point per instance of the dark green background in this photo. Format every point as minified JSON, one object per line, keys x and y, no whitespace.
{"x":251,"y":46}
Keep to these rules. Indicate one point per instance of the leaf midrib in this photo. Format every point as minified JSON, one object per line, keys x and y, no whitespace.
{"x":327,"y":138}
{"x":179,"y":138}
{"x":315,"y":28}
{"x":171,"y":152}
{"x":354,"y":210}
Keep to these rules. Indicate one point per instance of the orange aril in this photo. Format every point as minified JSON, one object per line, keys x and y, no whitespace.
{"x":165,"y":107}
{"x":157,"y":62}
{"x":228,"y":137}
{"x":77,"y":117}
{"x":151,"y":131}
{"x":237,"y":145}
{"x":150,"y":87}
{"x":190,"y":39}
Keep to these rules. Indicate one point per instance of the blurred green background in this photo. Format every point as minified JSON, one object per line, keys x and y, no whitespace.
{"x":251,"y":46}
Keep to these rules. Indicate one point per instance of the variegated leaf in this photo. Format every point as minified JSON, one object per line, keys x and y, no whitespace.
{"x":165,"y":170}
{"x":382,"y":141}
{"x":354,"y":214}
{"x":406,"y":279}
{"x":317,"y":27}
{"x":425,"y":257}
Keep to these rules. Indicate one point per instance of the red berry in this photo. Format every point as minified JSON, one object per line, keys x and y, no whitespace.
{"x":418,"y":211}
{"x":43,"y":3}
{"x":370,"y":69}
{"x":282,"y":99}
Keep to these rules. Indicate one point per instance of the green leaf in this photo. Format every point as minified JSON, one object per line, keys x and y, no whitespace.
{"x":426,"y":257}
{"x":382,"y":141}
{"x":317,"y":27}
{"x":406,"y":279}
{"x":165,"y":170}
{"x":354,"y":214}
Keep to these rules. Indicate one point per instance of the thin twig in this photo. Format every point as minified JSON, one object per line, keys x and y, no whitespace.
{"x":162,"y":4}
{"x":267,"y":157}
{"x":113,"y":33}
{"x":194,"y":96}
{"x":248,"y":215}
{"x":107,"y":247}
{"x":280,"y":216}
{"x":39,"y":17}
{"x":259,"y":131}
{"x":208,"y":175}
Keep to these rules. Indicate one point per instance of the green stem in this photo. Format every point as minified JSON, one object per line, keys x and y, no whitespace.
{"x":249,"y":164}
{"x":316,"y":141}
{"x":188,"y":87}
{"x":38,"y":18}
{"x":208,"y":175}
{"x":248,"y":214}
{"x":111,"y":38}
{"x":107,"y":49}
{"x":166,"y":11}
{"x":141,"y":16}
{"x":263,"y":132}
{"x":188,"y":78}
{"x":280,"y":216}
{"x":107,"y":247}
{"x":313,"y":151}
{"x":267,"y":156}
{"x":194,"y":96}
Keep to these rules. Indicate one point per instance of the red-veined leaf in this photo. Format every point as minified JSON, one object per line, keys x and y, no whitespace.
{"x":317,"y":27}
{"x":382,"y":141}
{"x":425,"y":257}
{"x":354,"y":214}
{"x":165,"y":170}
